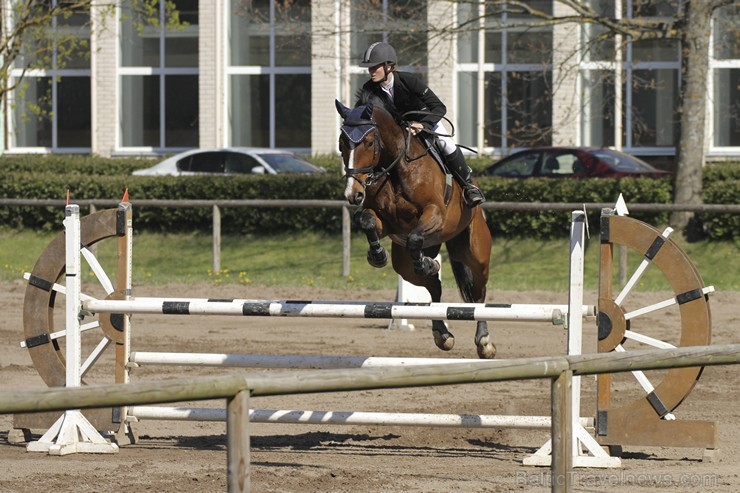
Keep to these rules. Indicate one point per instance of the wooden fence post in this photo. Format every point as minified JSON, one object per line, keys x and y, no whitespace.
{"x":237,"y":440}
{"x":562,"y":433}
{"x":216,"y":240}
{"x":346,"y":241}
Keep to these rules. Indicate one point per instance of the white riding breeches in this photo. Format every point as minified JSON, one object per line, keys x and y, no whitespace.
{"x":447,"y":144}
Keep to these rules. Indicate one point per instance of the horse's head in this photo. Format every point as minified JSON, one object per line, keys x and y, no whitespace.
{"x":360,"y":146}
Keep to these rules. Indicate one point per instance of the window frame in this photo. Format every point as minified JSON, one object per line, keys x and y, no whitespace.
{"x":17,"y":74}
{"x":715,"y":66}
{"x":161,"y":72}
{"x":272,"y":71}
{"x":629,"y":67}
{"x":482,"y":70}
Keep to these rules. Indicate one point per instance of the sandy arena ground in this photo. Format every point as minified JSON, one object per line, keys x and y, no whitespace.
{"x":191,"y":457}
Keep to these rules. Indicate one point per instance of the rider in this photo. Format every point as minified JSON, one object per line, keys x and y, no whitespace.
{"x":406,"y":92}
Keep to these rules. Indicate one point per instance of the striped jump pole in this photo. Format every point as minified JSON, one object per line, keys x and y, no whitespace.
{"x":287,"y":361}
{"x":555,"y":314}
{"x":350,"y":418}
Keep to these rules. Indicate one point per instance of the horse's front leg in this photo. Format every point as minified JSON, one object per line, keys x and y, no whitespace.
{"x":377,"y":256}
{"x":423,"y":266}
{"x":403,"y":265}
{"x":430,"y":223}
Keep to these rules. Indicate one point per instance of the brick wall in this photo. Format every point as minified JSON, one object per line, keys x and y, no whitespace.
{"x":565,"y":74}
{"x":211,"y":86}
{"x":325,"y":77}
{"x":104,"y":84}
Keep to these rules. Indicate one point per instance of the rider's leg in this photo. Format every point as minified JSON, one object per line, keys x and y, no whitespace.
{"x":459,"y":168}
{"x":471,"y":193}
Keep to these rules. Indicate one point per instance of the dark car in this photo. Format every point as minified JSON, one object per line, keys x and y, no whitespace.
{"x":575,"y":162}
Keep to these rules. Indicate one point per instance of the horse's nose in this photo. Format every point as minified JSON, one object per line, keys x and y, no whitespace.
{"x":356,"y":198}
{"x":353,"y":193}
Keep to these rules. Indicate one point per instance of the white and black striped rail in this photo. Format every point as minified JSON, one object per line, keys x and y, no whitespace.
{"x":335,"y":309}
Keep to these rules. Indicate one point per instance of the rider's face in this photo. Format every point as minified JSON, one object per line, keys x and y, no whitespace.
{"x":377,"y":73}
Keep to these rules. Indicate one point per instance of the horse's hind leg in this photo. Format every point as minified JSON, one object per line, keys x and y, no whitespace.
{"x":366,"y":219}
{"x":470,"y":254}
{"x":403,"y":265}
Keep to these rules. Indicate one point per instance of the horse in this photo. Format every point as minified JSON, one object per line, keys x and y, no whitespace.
{"x":404,"y":194}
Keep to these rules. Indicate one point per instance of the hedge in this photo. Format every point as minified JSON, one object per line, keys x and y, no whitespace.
{"x":37,"y":177}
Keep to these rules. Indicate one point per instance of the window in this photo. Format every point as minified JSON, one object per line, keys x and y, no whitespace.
{"x":598,"y":106}
{"x":631,"y":101}
{"x":725,"y":64}
{"x":204,"y":162}
{"x":517,"y":166}
{"x":159,"y":80}
{"x":241,"y":163}
{"x":286,"y":163}
{"x":514,"y":62}
{"x":270,"y":74}
{"x":561,"y":164}
{"x":652,"y":112}
{"x":51,"y":105}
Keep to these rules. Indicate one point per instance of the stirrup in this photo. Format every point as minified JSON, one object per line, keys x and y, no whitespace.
{"x":473,"y":196}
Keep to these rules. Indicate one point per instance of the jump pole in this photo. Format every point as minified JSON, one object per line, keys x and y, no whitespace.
{"x":349,"y":418}
{"x":337,"y":309}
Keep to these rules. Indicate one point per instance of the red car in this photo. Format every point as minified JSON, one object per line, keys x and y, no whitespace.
{"x":575,"y":162}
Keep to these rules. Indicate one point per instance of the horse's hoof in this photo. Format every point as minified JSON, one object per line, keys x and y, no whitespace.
{"x":377,"y":259}
{"x":445,"y":342}
{"x":486,"y":349}
{"x":435,"y":267}
{"x":428,"y":267}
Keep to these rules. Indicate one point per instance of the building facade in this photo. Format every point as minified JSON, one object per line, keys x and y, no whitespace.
{"x":266,"y":73}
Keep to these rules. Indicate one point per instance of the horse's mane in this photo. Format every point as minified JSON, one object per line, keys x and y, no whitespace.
{"x":365,"y":96}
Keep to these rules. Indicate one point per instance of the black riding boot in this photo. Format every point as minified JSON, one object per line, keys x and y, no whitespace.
{"x":459,"y":168}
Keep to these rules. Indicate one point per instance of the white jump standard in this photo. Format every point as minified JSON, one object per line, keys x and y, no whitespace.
{"x":72,"y":432}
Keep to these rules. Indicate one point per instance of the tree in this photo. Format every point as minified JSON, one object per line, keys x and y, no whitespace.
{"x":34,"y":40}
{"x":690,"y":24}
{"x":27,"y":36}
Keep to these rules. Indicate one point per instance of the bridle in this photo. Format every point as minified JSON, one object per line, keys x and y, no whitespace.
{"x":373,"y":175}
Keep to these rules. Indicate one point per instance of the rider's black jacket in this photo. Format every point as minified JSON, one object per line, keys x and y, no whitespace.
{"x":409,"y":94}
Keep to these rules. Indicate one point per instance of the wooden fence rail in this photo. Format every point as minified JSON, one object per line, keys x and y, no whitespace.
{"x":236,"y":388}
{"x":216,"y":206}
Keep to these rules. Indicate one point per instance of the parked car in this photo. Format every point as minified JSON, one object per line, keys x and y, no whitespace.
{"x":576,"y":162}
{"x":231,"y":160}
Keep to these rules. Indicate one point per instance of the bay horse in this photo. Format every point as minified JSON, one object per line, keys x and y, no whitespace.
{"x":403,"y":193}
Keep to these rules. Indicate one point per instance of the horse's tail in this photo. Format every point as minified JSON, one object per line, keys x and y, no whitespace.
{"x":464,"y":280}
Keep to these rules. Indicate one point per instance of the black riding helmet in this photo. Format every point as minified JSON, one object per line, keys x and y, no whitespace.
{"x":379,"y":53}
